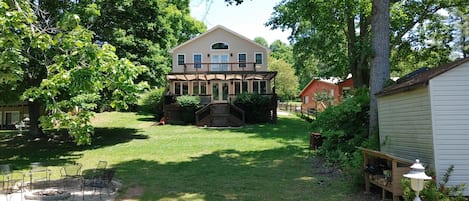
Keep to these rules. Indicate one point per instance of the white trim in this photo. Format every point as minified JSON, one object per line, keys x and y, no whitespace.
{"x":267,"y":50}
{"x":201,"y":59}
{"x":246,"y":59}
{"x":177,"y":58}
{"x":255,"y":58}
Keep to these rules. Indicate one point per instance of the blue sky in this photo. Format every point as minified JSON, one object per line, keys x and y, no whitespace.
{"x":247,"y":19}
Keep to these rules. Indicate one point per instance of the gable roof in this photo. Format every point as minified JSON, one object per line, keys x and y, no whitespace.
{"x":331,"y":82}
{"x":217,"y":28}
{"x":420,"y":79}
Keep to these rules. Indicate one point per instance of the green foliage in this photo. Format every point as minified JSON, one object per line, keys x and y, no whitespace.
{"x":152,"y":102}
{"x":261,"y":41}
{"x":433,"y":192}
{"x":255,"y":106}
{"x":344,"y":127}
{"x":144,"y":30}
{"x":57,"y":63}
{"x":286,"y":82}
{"x":281,"y":51}
{"x":336,"y":35}
{"x":189,"y":105}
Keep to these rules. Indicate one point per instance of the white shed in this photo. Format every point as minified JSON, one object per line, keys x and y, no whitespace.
{"x":426,"y":116}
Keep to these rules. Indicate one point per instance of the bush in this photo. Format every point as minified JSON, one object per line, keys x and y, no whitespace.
{"x":433,"y":192}
{"x":255,"y":106}
{"x":189,"y":105}
{"x":152,"y":102}
{"x":345,"y":127}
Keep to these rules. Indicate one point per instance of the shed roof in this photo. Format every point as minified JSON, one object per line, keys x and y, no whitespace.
{"x":421,"y":78}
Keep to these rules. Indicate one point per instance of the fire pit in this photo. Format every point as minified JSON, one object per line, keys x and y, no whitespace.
{"x":47,"y":194}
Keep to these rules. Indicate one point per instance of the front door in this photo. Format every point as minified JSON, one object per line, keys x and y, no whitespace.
{"x":220,"y":91}
{"x":220,"y":62}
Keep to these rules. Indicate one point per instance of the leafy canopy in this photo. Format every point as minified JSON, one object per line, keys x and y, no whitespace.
{"x":76,"y":71}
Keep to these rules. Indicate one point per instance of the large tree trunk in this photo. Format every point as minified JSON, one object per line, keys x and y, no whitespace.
{"x":34,"y":114}
{"x":380,"y":25}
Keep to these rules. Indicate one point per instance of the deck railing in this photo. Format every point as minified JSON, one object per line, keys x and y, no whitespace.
{"x":219,"y":67}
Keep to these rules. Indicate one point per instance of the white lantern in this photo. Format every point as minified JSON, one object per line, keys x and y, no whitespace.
{"x":417,"y":176}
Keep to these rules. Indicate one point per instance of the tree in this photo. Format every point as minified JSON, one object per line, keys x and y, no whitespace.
{"x":337,"y":34}
{"x":286,"y":82}
{"x":261,"y":41}
{"x":280,"y":50}
{"x":325,"y":31}
{"x":459,"y":17}
{"x":52,"y":60}
{"x":144,"y":30}
{"x":380,"y":25}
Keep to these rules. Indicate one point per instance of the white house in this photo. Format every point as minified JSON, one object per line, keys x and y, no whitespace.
{"x":426,"y":116}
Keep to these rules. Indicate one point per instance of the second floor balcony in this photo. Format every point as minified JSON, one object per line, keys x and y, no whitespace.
{"x":220,"y":67}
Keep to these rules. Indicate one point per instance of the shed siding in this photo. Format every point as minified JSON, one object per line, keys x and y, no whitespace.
{"x":450,"y":108}
{"x":405,"y":125}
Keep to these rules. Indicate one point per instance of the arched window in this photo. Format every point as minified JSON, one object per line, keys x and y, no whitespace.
{"x":220,"y":46}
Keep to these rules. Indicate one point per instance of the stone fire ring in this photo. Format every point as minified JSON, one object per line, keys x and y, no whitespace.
{"x":47,"y":194}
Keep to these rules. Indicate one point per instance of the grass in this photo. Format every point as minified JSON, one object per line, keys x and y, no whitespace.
{"x":257,"y":162}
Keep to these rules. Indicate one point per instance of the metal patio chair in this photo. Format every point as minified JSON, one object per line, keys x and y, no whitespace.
{"x":39,"y":175}
{"x":70,"y":173}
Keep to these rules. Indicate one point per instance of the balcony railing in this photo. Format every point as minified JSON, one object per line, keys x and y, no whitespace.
{"x":219,"y":67}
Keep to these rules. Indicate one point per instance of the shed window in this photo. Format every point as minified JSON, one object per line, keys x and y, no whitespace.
{"x":220,"y":46}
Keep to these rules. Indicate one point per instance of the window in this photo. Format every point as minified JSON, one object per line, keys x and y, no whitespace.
{"x":305,"y":99}
{"x":259,"y":87}
{"x":220,"y":46}
{"x":197,"y":61}
{"x":181,"y":88}
{"x":181,"y":59}
{"x":241,"y":87}
{"x":220,"y":62}
{"x":258,"y":58}
{"x":345,"y":91}
{"x":242,"y":59}
{"x":199,"y":88}
{"x":12,"y":117}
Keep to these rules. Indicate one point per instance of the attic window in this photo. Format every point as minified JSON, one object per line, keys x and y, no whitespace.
{"x":220,"y":46}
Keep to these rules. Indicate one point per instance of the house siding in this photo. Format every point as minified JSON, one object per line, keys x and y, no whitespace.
{"x":450,"y":108}
{"x":317,"y":86}
{"x":405,"y":125}
{"x":203,"y":46}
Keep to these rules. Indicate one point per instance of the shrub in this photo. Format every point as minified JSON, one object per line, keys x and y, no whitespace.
{"x":433,"y":192}
{"x":344,"y":127}
{"x":255,"y":106}
{"x":189,"y":105}
{"x":152,"y":102}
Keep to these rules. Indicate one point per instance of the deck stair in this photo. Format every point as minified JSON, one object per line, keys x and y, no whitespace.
{"x":220,"y":115}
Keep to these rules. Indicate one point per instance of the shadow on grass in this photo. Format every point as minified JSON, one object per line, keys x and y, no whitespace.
{"x":287,"y":128}
{"x":277,"y":174}
{"x":55,"y":149}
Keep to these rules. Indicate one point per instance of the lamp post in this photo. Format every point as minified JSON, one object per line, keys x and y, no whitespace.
{"x":417,"y":176}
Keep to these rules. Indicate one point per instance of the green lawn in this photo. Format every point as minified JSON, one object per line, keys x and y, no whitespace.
{"x":257,"y":162}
